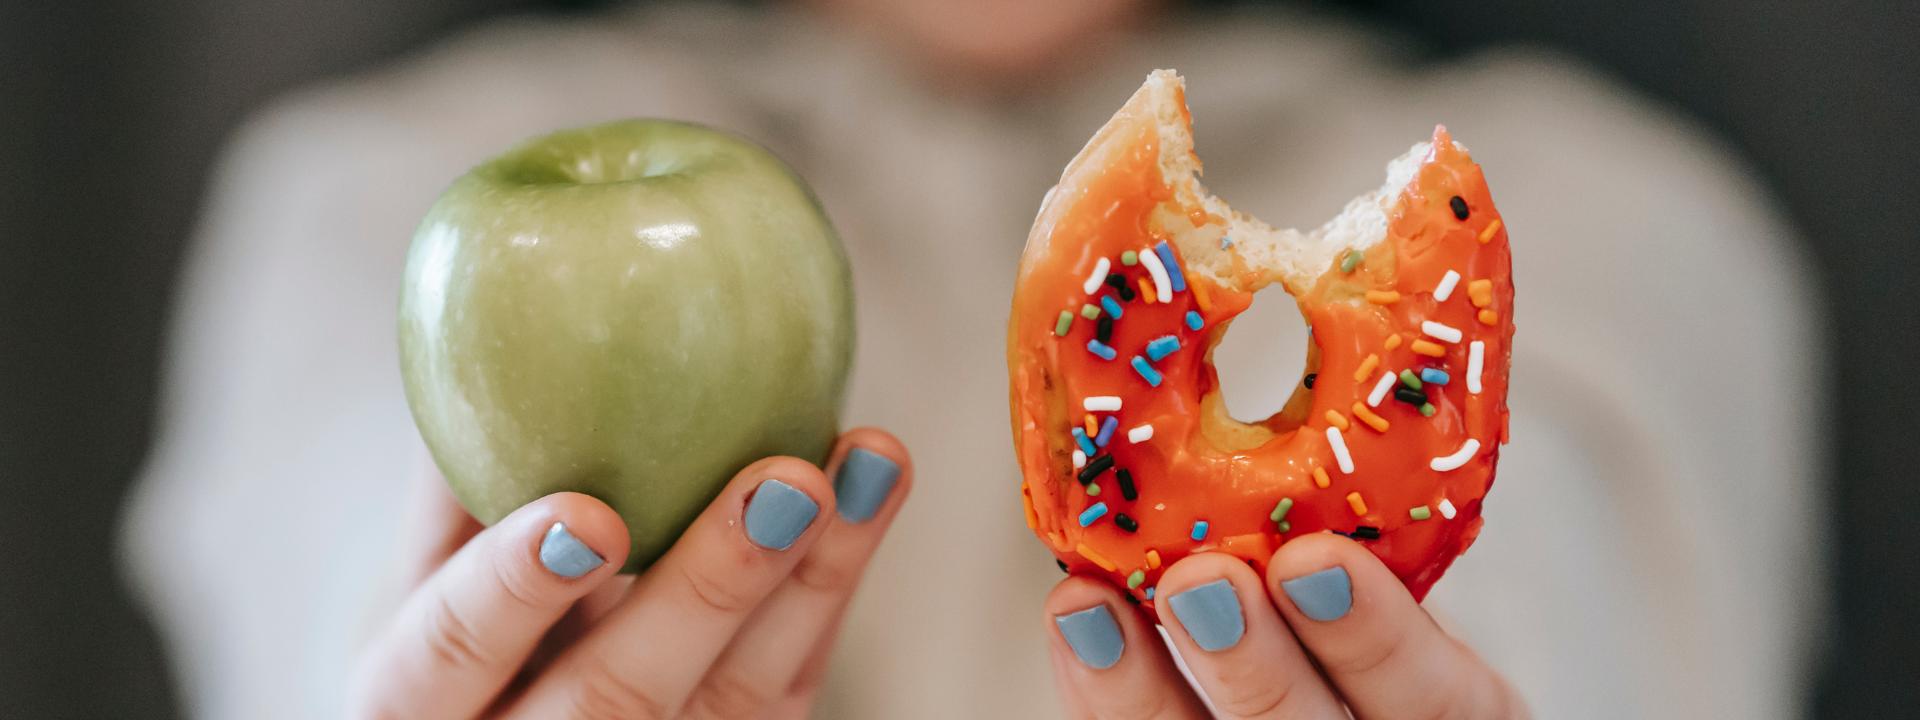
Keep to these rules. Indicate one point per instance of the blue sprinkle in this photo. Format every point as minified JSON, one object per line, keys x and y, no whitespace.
{"x":1146,"y":371}
{"x":1093,"y":513}
{"x":1225,"y":242}
{"x":1086,"y":446}
{"x":1199,"y":527}
{"x":1112,"y":308}
{"x":1106,"y":432}
{"x":1194,"y":322}
{"x":1435,"y":376}
{"x":1162,"y":347}
{"x":1149,"y":593}
{"x":1099,"y":348}
{"x":1173,"y":266}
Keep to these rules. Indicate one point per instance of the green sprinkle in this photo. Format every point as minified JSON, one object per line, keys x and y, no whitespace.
{"x":1280,"y":509}
{"x":1351,"y":261}
{"x":1089,"y":312}
{"x":1286,"y":526}
{"x":1129,"y":258}
{"x":1060,"y":326}
{"x":1426,"y":409}
{"x":1093,"y":489}
{"x":1134,"y":580}
{"x":1420,"y":513}
{"x":1412,"y":381}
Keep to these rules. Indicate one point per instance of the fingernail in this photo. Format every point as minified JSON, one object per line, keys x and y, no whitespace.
{"x":1325,"y":595}
{"x":565,"y":555}
{"x":1211,"y":615}
{"x":778,"y":514}
{"x":1093,"y":635}
{"x":862,"y":484}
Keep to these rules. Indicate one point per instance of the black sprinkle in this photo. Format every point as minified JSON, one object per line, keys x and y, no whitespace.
{"x":1409,"y":395}
{"x":1126,"y":294}
{"x":1116,"y":280}
{"x":1366,"y":532}
{"x":1126,"y":523}
{"x":1127,"y":491}
{"x":1061,"y":563}
{"x":1131,"y":600}
{"x":1103,"y":329}
{"x":1309,"y":380}
{"x":1459,"y":207}
{"x":1094,"y":468}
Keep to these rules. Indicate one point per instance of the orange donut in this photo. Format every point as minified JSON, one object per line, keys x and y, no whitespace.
{"x":1130,"y":277}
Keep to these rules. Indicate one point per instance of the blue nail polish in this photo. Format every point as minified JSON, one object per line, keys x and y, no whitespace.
{"x":1093,"y":635}
{"x":1324,"y":596}
{"x":863,"y":483}
{"x":778,"y":514}
{"x":565,"y":555}
{"x":1211,"y":615}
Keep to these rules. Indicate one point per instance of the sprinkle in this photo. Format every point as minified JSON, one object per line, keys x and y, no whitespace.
{"x":1434,"y":376}
{"x":1106,"y":431}
{"x":1094,"y":467}
{"x":1129,"y":258}
{"x":1093,"y":427}
{"x":1446,"y":508}
{"x":1366,"y":368}
{"x":1101,"y":403}
{"x":1079,"y":459}
{"x":1445,"y":289}
{"x":1320,"y":479}
{"x":1489,"y":317}
{"x":1127,"y":491}
{"x":1480,"y":292}
{"x":1308,"y":380}
{"x":1426,"y":409}
{"x":1093,"y":489}
{"x":1193,"y":321}
{"x":1406,"y":395}
{"x":1126,"y":523}
{"x":1197,"y":215}
{"x":1340,"y":453}
{"x":1335,"y":419}
{"x":1146,"y":371}
{"x":1350,"y":261}
{"x":1408,"y":379}
{"x":1365,"y":532}
{"x":1380,"y":389}
{"x":1100,"y":268}
{"x":1459,"y":206}
{"x":1163,"y":285}
{"x":1162,"y":347}
{"x":1092,"y":513}
{"x":1393,"y":341}
{"x":1148,"y":592}
{"x":1419,"y":513}
{"x":1458,"y":458}
{"x":1487,"y":234}
{"x":1354,"y":501}
{"x":1080,"y":438}
{"x":1165,"y":252}
{"x":1383,"y":297}
{"x":1203,"y":297}
{"x":1100,"y":349}
{"x":1112,"y":308}
{"x":1140,"y":433}
{"x":1134,"y":580}
{"x":1225,"y":242}
{"x":1103,"y":328}
{"x":1440,"y":331}
{"x":1153,"y":559}
{"x":1065,"y":322}
{"x":1476,"y":358}
{"x":1146,"y":291}
{"x":1379,"y":424}
{"x":1199,"y":530}
{"x":1095,"y":558}
{"x":1428,"y":349}
{"x":1280,"y":509}
{"x":1061,"y":563}
{"x":1284,"y":526}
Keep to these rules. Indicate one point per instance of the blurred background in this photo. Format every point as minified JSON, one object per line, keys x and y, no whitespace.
{"x":112,"y":113}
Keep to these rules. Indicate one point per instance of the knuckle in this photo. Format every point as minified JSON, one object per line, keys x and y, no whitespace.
{"x":451,"y":639}
{"x":1251,"y":691}
{"x":727,"y":694}
{"x":605,"y":694}
{"x":712,"y":593}
{"x":516,"y":580}
{"x":821,"y":574}
{"x":1152,"y":706}
{"x":1369,"y":657}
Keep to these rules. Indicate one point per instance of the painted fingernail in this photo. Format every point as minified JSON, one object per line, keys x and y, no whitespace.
{"x":863,"y":482}
{"x":1325,"y":595}
{"x":1211,"y":615}
{"x":778,"y":514}
{"x":565,"y":555}
{"x":1093,"y":635}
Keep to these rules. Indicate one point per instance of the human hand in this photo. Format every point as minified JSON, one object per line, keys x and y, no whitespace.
{"x":1329,"y":632}
{"x":528,"y":618}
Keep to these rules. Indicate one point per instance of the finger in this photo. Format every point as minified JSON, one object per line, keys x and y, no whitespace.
{"x":1110,"y":659}
{"x":768,"y":660}
{"x":465,"y":632}
{"x":648,"y":654}
{"x":1376,"y":645}
{"x":1238,"y":649}
{"x":438,"y":527}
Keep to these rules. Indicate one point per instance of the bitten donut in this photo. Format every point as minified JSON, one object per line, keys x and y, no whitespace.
{"x":1130,"y":277}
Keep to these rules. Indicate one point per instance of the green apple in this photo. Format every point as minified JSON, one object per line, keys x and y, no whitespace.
{"x":634,"y":311}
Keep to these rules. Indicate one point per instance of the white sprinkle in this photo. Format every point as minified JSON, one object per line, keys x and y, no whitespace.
{"x":1446,"y":508}
{"x":1098,"y":277}
{"x":1102,"y":403}
{"x":1380,"y":389}
{"x":1458,"y":458}
{"x":1340,"y":450}
{"x":1079,"y":459}
{"x":1476,"y":359}
{"x":1162,"y":284}
{"x":1445,"y":289}
{"x":1140,"y":434}
{"x":1441,"y":332}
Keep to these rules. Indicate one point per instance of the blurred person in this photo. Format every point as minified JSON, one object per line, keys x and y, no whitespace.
{"x":1648,"y":552}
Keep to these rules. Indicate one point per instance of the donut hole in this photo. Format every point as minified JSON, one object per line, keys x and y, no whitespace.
{"x":1261,"y":360}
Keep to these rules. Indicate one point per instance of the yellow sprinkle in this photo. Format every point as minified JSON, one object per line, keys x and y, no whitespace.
{"x":1428,"y":349}
{"x":1146,"y":290}
{"x":1153,"y":559}
{"x":1366,"y":368}
{"x":1320,"y":479}
{"x":1383,"y":297}
{"x":1094,"y":557}
{"x":1358,"y":504}
{"x":1480,"y":292}
{"x":1393,"y":341}
{"x":1487,"y":234}
{"x":1489,"y":317}
{"x":1093,"y":428}
{"x":1200,"y":295}
{"x":1337,"y":420}
{"x":1379,"y":424}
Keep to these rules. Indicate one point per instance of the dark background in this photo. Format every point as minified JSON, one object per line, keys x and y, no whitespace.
{"x":111,"y":112}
